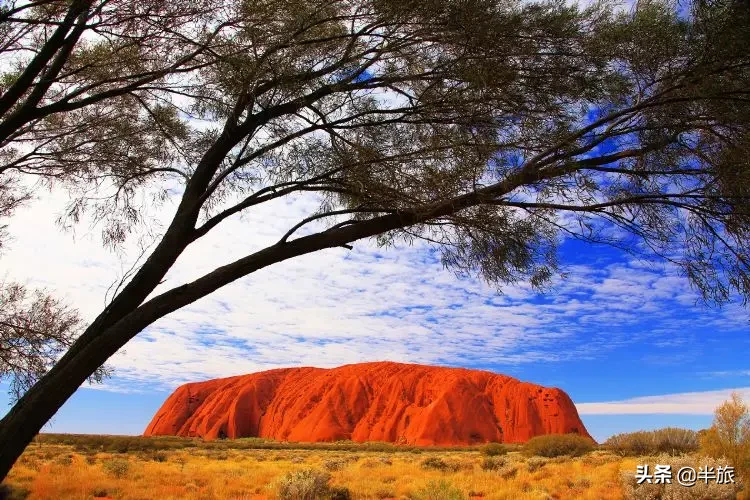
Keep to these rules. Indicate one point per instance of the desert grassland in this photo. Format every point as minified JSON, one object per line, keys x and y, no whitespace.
{"x":64,"y":470}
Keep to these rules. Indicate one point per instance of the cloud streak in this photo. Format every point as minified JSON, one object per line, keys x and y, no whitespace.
{"x":686,"y":403}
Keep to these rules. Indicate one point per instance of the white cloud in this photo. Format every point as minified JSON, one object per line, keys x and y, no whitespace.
{"x":339,"y":306}
{"x":686,"y":403}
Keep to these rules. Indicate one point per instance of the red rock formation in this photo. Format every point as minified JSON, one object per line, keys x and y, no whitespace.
{"x":401,"y":403}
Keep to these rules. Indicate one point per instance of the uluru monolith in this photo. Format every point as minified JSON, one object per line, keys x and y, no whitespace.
{"x":382,"y":401}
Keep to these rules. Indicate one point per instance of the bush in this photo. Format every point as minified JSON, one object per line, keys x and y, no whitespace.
{"x":306,"y":484}
{"x":335,"y":464}
{"x":492,"y":463}
{"x":508,"y":471}
{"x":557,"y":445}
{"x":729,"y":435}
{"x":494,"y":449}
{"x":675,"y":491}
{"x":118,"y":467}
{"x":438,"y":463}
{"x":438,"y":490}
{"x":156,"y":456}
{"x":630,"y":443}
{"x":536,"y":463}
{"x":671,"y":440}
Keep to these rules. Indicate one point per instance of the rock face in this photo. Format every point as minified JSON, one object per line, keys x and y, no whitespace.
{"x":400,"y":403}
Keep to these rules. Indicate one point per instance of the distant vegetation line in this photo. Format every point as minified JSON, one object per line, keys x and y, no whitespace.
{"x":124,"y":444}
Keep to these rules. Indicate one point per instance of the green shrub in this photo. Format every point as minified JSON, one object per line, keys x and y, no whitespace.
{"x":437,"y":463}
{"x":536,"y":463}
{"x":492,"y":463}
{"x":495,"y":449}
{"x":557,"y":445}
{"x":438,"y":490}
{"x":117,"y":467}
{"x":335,"y":464}
{"x":156,"y":456}
{"x":463,"y":463}
{"x":671,"y":440}
{"x":508,"y":471}
{"x":305,"y":484}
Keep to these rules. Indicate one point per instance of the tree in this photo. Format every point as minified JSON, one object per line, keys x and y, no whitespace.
{"x":35,"y":329}
{"x":74,"y":70}
{"x":729,"y":435}
{"x":82,"y":92}
{"x":487,"y":127}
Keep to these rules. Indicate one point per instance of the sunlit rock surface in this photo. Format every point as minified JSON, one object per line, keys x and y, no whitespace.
{"x":400,"y":403}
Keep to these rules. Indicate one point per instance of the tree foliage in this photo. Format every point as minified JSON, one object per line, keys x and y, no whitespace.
{"x":729,"y":435}
{"x":86,"y":88}
{"x":531,"y":120}
{"x":35,"y":329}
{"x":489,"y":128}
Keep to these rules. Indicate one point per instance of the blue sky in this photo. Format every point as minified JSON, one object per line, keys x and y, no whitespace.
{"x":615,"y":332}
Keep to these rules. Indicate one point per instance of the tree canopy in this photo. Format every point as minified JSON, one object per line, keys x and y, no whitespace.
{"x":490,"y":128}
{"x":35,"y":328}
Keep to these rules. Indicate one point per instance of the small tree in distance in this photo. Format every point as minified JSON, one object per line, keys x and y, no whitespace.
{"x":729,"y":436}
{"x":489,"y":128}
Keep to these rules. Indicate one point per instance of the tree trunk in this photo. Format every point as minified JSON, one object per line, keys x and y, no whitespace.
{"x":100,"y":342}
{"x":41,"y":402}
{"x":125,"y":318}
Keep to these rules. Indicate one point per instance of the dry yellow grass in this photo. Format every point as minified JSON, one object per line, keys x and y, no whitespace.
{"x":57,"y":471}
